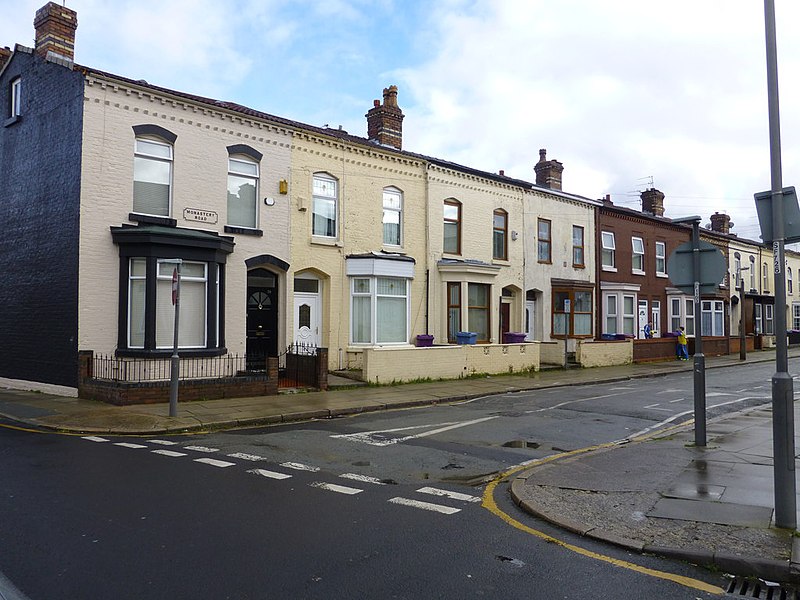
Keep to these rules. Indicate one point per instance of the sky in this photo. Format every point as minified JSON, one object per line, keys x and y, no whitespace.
{"x":627,"y":94}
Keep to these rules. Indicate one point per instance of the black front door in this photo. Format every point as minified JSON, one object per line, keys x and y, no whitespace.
{"x":262,"y":317}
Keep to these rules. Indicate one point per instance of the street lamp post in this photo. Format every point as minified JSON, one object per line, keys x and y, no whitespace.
{"x":782,"y":392}
{"x":742,"y":337}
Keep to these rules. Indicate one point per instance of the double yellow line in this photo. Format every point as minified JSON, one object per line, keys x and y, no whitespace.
{"x":490,"y":505}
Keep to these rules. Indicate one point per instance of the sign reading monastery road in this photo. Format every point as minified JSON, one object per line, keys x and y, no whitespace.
{"x":204,"y":216}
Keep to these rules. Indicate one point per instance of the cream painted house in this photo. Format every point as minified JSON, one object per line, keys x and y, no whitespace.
{"x":357,"y":277}
{"x":476,"y":253}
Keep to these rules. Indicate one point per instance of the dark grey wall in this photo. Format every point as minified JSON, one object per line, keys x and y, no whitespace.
{"x":40,"y":159}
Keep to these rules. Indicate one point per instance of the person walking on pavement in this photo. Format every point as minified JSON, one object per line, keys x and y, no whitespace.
{"x":683,"y":352}
{"x":648,"y":331}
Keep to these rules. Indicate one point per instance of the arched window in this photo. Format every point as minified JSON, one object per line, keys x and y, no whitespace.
{"x":152,"y":170}
{"x":392,"y":216}
{"x":326,"y":206}
{"x":243,"y":175}
{"x":500,"y":235}
{"x":452,"y":226}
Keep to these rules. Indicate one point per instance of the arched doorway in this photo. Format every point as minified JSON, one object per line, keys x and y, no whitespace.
{"x":262,"y":317}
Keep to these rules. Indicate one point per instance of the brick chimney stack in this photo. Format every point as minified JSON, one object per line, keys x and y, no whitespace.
{"x":653,"y":202}
{"x":385,"y":121}
{"x":55,"y":31}
{"x":548,"y":172}
{"x":721,"y":223}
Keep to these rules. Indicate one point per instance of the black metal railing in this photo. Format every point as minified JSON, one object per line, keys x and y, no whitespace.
{"x":137,"y":370}
{"x":298,"y":366}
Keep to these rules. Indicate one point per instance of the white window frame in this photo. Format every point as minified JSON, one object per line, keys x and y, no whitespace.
{"x":162,"y":297}
{"x":611,"y":315}
{"x":796,"y":316}
{"x":140,"y":153}
{"x":681,"y":314}
{"x":637,"y":255}
{"x":753,"y":272}
{"x":769,"y":319}
{"x":615,"y":315}
{"x":389,"y":211}
{"x":712,"y":318}
{"x":764,"y":278}
{"x":789,"y":282}
{"x":608,"y":254}
{"x":15,"y":109}
{"x":737,"y":271}
{"x":758,"y":321}
{"x":374,"y":297}
{"x":319,"y":180}
{"x":131,"y":278}
{"x":661,"y":259}
{"x":629,"y":317}
{"x":242,"y":167}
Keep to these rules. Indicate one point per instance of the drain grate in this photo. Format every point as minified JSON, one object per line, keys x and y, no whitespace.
{"x":741,"y":587}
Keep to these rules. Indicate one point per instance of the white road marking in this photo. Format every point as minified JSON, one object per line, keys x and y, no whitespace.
{"x":711,"y":394}
{"x":375,"y":438}
{"x":364,"y":478}
{"x":163,"y":442}
{"x":94,"y":438}
{"x":668,"y":391}
{"x":214,"y":462}
{"x":653,"y":407}
{"x":678,"y":400}
{"x":448,"y":494}
{"x":201,"y":449}
{"x":243,"y":456}
{"x":339,"y":489}
{"x":447,"y":510}
{"x":269,"y":474}
{"x":560,"y":404}
{"x":129,"y":445}
{"x":168,"y":452}
{"x":299,"y":467}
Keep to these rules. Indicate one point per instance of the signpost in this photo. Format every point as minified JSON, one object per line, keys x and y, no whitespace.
{"x":175,"y":361}
{"x":697,"y":268}
{"x":783,"y":222}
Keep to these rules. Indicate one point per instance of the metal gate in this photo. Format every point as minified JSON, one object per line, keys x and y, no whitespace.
{"x":298,"y":366}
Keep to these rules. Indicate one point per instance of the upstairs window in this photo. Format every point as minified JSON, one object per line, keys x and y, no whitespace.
{"x":243,"y":174}
{"x":637,"y":256}
{"x":500,"y":235}
{"x":392,"y":216}
{"x":452,"y":227}
{"x":326,"y":206}
{"x":15,"y":108}
{"x":789,"y":285}
{"x":545,"y":241}
{"x":577,"y":247}
{"x":661,"y":258}
{"x":152,"y":177}
{"x":752,"y":272}
{"x":737,"y":270}
{"x":608,"y":252}
{"x":764,"y":278}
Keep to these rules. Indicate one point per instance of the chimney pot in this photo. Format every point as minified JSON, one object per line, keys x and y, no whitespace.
{"x":55,"y":31}
{"x":385,"y":121}
{"x":721,"y":223}
{"x":548,"y":172}
{"x":502,"y":173}
{"x":653,"y":202}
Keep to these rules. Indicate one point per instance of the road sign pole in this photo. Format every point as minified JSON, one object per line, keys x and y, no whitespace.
{"x":782,"y":392}
{"x":699,"y":357}
{"x":175,"y":361}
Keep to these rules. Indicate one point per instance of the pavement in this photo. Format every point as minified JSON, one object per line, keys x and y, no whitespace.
{"x":663,"y":495}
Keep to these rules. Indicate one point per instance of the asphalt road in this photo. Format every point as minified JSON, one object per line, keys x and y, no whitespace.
{"x":379,"y":506}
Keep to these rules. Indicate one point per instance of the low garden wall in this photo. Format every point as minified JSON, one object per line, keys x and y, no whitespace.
{"x":396,"y":365}
{"x":593,"y":353}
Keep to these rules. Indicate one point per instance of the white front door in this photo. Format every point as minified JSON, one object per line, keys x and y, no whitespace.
{"x":643,"y":317}
{"x":530,"y":320}
{"x":306,"y":318}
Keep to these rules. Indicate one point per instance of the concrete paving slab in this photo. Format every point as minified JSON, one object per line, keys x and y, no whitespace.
{"x":695,"y":491}
{"x":712,"y":512}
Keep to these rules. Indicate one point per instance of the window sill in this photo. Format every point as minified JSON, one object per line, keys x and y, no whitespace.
{"x":609,"y":269}
{"x":503,"y":262}
{"x":637,"y":272}
{"x":662,"y":275}
{"x":578,"y":266}
{"x":545,"y":262}
{"x":243,"y":230}
{"x":393,"y":249}
{"x":12,"y":120}
{"x":167,"y":353}
{"x":323,"y":241}
{"x":152,"y":220}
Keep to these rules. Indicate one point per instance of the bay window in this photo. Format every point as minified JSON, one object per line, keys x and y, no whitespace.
{"x":478,"y":310}
{"x":572,"y":308}
{"x":712,"y":318}
{"x":379,"y":310}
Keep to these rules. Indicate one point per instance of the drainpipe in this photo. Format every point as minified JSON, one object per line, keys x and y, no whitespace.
{"x":427,"y":297}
